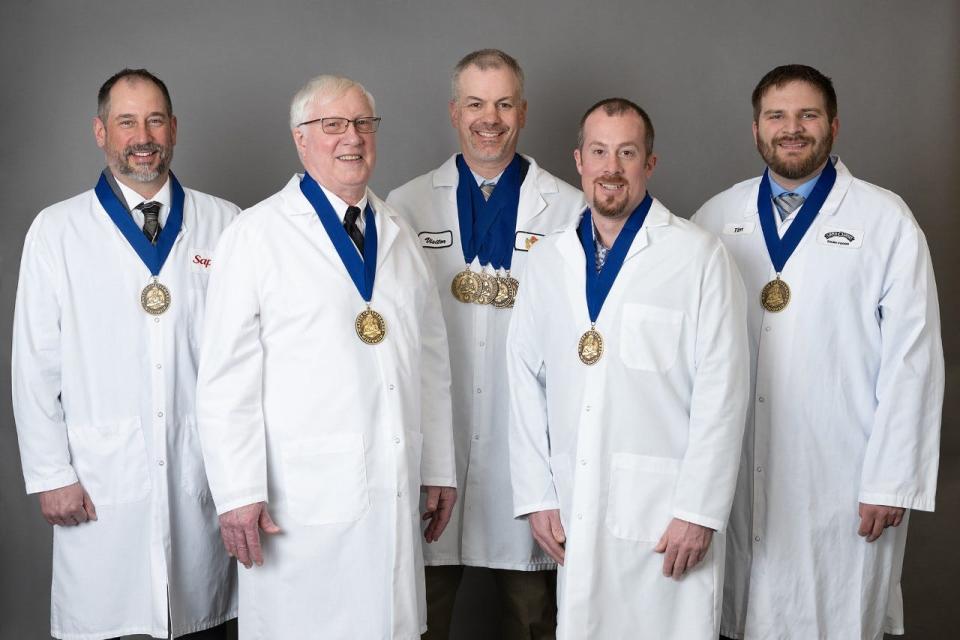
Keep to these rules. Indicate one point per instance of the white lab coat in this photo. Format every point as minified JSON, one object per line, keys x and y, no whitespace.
{"x":103,"y":393}
{"x":650,"y":432}
{"x":336,"y":435}
{"x":482,"y":531}
{"x":848,"y":387}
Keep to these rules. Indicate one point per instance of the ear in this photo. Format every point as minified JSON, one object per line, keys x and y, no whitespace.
{"x":454,"y":114}
{"x":299,"y":140}
{"x":755,"y":130}
{"x":173,"y":130}
{"x":835,"y":127}
{"x":522,"y":115}
{"x":650,"y":164}
{"x":99,"y":132}
{"x":577,"y":160}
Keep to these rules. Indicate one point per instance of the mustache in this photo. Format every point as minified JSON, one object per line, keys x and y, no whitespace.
{"x":149,"y":147}
{"x":610,"y":179}
{"x":795,"y":138}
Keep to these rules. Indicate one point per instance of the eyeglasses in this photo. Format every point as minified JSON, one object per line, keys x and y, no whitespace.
{"x":339,"y":125}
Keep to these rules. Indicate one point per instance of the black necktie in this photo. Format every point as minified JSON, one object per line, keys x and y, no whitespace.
{"x":151,"y":220}
{"x":350,"y":224}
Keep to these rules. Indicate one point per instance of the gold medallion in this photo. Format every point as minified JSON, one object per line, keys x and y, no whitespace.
{"x":371,"y":328}
{"x":591,"y":347}
{"x":775,"y":295}
{"x":155,"y":298}
{"x":512,"y":287}
{"x":503,"y":293}
{"x":488,"y":289}
{"x":465,"y":286}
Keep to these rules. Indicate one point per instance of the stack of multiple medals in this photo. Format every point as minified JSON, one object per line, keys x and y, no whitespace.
{"x":598,"y":284}
{"x":775,"y":295}
{"x":369,"y":325}
{"x":155,"y":298}
{"x":487,"y":229}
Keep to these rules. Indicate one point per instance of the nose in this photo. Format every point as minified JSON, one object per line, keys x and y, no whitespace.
{"x":141,"y":134}
{"x":490,"y":113}
{"x":351,"y":135}
{"x":611,"y":164}
{"x":793,"y":124}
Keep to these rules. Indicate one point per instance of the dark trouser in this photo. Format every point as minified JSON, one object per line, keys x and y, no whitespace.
{"x":218,"y":632}
{"x":528,"y":602}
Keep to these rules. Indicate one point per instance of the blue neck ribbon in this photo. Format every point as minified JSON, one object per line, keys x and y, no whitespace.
{"x":780,"y":249}
{"x":153,"y":256}
{"x":599,"y":284}
{"x":363,"y":270}
{"x":487,"y":226}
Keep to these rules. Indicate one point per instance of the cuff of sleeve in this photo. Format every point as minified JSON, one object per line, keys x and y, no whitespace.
{"x":520,"y":512}
{"x":916,"y":501}
{"x":702,"y":520}
{"x":438,"y":481}
{"x":62,"y":479}
{"x":236,"y":503}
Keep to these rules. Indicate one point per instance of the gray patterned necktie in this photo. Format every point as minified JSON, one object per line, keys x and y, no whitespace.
{"x":787,"y":203}
{"x":601,"y":255}
{"x":487,"y":188}
{"x":151,"y":220}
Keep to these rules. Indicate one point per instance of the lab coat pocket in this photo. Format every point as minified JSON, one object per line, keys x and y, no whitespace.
{"x":326,"y":479}
{"x":640,"y":500}
{"x":110,"y":460}
{"x":650,"y":336}
{"x":193,"y":475}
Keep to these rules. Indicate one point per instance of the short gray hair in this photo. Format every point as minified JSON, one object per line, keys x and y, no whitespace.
{"x":485,"y":59}
{"x":321,"y":89}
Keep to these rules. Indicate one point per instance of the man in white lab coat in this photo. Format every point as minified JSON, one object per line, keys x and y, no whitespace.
{"x":324,"y":392}
{"x":628,"y":376}
{"x":109,"y":310}
{"x":489,"y":220}
{"x":842,"y":436}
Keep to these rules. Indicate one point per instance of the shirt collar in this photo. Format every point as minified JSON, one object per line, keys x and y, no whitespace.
{"x":134,"y":199}
{"x":480,"y":179}
{"x":803,"y":190}
{"x":340,"y":206}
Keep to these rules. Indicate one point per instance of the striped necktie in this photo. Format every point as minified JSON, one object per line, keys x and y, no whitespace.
{"x":151,"y":220}
{"x":487,"y":188}
{"x":787,"y":203}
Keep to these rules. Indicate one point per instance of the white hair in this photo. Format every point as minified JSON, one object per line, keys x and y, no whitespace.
{"x":321,"y":90}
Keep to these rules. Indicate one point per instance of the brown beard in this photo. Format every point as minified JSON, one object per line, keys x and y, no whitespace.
{"x":799,"y":169}
{"x":614,"y":209}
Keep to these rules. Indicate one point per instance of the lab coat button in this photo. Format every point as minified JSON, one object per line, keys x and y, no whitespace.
{"x":476,"y":436}
{"x":579,"y":516}
{"x":391,"y":387}
{"x":159,"y":414}
{"x":159,"y":366}
{"x":160,"y":462}
{"x":479,"y":390}
{"x":396,"y":439}
{"x":766,"y":328}
{"x":583,"y":462}
{"x":761,"y":399}
{"x":759,"y":469}
{"x":588,"y":407}
{"x":482,"y":343}
{"x":756,"y":538}
{"x":156,"y":319}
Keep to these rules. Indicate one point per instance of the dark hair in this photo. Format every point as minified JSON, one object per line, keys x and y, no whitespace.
{"x":103,"y":96}
{"x":796,"y":73}
{"x":616,"y":107}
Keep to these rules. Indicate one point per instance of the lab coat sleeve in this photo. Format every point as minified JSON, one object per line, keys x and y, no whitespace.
{"x":708,"y":473}
{"x":438,"y":466}
{"x":529,"y":442}
{"x":229,"y":397}
{"x":41,"y":428}
{"x":902,"y":456}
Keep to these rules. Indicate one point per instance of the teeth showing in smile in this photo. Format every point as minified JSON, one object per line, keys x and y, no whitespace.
{"x":348,"y":157}
{"x":488,"y":134}
{"x":608,"y":186}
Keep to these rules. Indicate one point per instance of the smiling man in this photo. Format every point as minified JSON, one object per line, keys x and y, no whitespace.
{"x":842,"y":436}
{"x":324,"y":392}
{"x":477,"y":217}
{"x":109,"y":307}
{"x":627,"y":357}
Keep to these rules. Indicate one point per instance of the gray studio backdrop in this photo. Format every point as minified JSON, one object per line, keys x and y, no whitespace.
{"x":233,"y":66}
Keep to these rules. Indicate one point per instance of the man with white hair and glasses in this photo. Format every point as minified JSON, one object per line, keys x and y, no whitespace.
{"x":324,"y":392}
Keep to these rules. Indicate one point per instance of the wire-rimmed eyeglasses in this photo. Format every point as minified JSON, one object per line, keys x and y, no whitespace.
{"x":339,"y":125}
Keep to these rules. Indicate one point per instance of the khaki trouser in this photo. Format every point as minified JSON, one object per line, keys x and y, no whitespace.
{"x":528,"y":602}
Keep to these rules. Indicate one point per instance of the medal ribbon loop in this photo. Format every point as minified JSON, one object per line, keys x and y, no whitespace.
{"x":487,"y":226}
{"x":780,"y":249}
{"x":152,"y":256}
{"x":363,"y":270}
{"x":599,"y":284}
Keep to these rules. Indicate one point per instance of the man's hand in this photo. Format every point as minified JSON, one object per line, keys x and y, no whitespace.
{"x":685,"y":544}
{"x":548,"y":532}
{"x":874,"y":518}
{"x":67,"y":506}
{"x":240,"y":530}
{"x":439,"y":508}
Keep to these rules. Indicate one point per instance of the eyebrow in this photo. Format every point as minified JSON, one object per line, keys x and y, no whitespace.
{"x":501,"y":99}
{"x":133,"y":115}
